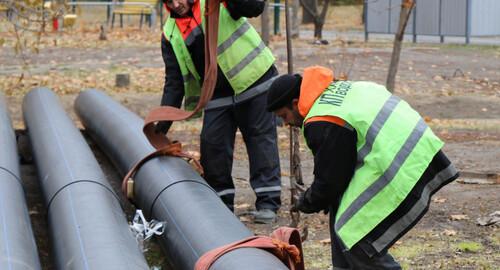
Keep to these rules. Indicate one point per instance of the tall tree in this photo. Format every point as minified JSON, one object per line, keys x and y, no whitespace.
{"x":264,"y":22}
{"x":295,"y":18}
{"x":311,"y":7}
{"x":406,"y":8}
{"x":306,"y":16}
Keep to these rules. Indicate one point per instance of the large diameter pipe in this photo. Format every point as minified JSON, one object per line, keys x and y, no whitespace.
{"x":88,"y":227}
{"x":168,"y":189}
{"x":17,"y":243}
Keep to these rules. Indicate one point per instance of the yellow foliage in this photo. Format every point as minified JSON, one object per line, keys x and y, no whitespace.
{"x":69,"y":20}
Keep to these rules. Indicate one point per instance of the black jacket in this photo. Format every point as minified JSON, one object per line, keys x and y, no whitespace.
{"x":173,"y":90}
{"x":334,"y":150}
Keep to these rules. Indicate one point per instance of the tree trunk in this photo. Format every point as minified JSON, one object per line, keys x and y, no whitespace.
{"x":318,"y":18}
{"x":363,"y":15}
{"x":264,"y":17}
{"x":318,"y":30}
{"x":404,"y":15}
{"x":320,"y":21}
{"x":309,"y":10}
{"x":295,"y":18}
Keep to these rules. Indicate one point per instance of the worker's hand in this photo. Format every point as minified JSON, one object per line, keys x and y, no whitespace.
{"x":162,"y":127}
{"x":302,"y":206}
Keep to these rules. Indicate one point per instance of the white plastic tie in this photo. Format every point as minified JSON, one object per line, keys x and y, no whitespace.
{"x":143,"y":230}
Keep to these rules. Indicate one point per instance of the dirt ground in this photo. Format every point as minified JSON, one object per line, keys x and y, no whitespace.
{"x":456,"y":89}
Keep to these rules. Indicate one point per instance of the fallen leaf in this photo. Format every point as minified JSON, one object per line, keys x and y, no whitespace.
{"x":459,"y":217}
{"x":449,"y":232}
{"x":242,"y":206}
{"x":438,"y":200}
{"x":325,"y":241}
{"x":244,"y":219}
{"x":437,"y":78}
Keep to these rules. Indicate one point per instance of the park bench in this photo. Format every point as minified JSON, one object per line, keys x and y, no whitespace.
{"x":143,"y":8}
{"x":4,"y":8}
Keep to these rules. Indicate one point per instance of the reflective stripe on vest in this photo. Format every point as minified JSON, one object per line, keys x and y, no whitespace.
{"x":241,"y":54}
{"x":394,"y":145}
{"x":416,"y":211}
{"x":189,"y":74}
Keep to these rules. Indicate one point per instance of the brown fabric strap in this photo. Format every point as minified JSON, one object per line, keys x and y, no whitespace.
{"x":168,"y":113}
{"x":284,"y":243}
{"x":171,"y":149}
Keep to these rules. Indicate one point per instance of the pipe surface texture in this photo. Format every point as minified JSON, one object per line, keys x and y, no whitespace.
{"x":168,"y":189}
{"x":88,"y":227}
{"x":17,"y":243}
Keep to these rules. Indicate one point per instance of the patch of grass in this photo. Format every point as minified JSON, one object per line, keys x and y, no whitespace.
{"x":472,"y":47}
{"x":471,"y":263}
{"x":472,"y":247}
{"x":317,"y":255}
{"x":154,"y":255}
{"x":340,"y":18}
{"x":118,"y":68}
{"x":345,"y":18}
{"x":495,"y":239}
{"x":466,"y":124}
{"x":405,"y":265}
{"x":410,"y":250}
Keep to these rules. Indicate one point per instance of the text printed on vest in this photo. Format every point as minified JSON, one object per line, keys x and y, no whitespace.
{"x":335,"y":93}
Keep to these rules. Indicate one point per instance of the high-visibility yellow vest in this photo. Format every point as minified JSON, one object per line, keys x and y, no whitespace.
{"x":241,"y":54}
{"x":394,"y":147}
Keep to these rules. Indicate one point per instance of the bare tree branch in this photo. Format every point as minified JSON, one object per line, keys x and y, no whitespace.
{"x":318,"y":18}
{"x":307,"y":8}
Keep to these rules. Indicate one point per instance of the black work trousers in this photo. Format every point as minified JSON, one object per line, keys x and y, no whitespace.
{"x":356,"y":258}
{"x":258,"y":127}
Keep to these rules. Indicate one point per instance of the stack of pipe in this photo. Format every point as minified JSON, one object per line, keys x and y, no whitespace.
{"x":17,"y":244}
{"x":168,"y":189}
{"x":88,"y":227}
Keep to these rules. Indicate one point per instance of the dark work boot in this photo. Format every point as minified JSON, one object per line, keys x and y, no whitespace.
{"x":264,"y":216}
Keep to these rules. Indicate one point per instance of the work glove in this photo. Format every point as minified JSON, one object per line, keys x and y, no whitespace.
{"x":303,"y":205}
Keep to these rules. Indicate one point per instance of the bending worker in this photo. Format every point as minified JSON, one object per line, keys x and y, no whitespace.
{"x":376,"y":162}
{"x":244,"y":62}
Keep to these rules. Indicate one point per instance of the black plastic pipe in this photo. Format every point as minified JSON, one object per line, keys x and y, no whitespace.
{"x":88,"y":227}
{"x":17,"y":243}
{"x":168,"y":189}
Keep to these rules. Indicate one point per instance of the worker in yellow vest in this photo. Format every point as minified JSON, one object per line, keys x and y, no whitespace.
{"x":239,"y":102}
{"x":376,"y":162}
